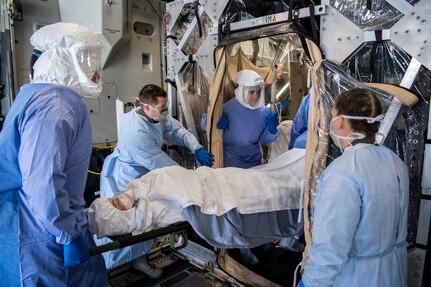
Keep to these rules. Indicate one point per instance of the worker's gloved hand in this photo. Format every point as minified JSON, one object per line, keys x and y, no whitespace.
{"x":301,"y":284}
{"x":223,"y":122}
{"x":271,"y":122}
{"x":75,"y":252}
{"x":204,"y":157}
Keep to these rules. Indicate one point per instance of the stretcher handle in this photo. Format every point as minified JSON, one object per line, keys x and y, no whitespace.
{"x":129,"y":239}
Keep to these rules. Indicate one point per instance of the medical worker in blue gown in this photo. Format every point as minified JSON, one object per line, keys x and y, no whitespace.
{"x":139,"y":151}
{"x":246,"y":122}
{"x":45,"y":148}
{"x":360,"y":210}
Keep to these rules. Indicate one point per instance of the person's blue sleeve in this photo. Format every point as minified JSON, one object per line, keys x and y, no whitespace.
{"x":301,"y":141}
{"x":175,"y":133}
{"x":76,"y":252}
{"x":300,"y":121}
{"x":47,"y":137}
{"x":268,"y":137}
{"x":223,"y":122}
{"x":336,"y":216}
{"x":204,"y":122}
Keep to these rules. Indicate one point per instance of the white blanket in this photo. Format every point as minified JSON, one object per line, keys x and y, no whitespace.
{"x":270,"y":187}
{"x":162,"y":193}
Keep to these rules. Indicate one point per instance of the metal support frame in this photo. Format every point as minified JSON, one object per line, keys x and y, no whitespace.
{"x":176,"y":58}
{"x":396,"y":104}
{"x":416,"y":261}
{"x":274,"y":18}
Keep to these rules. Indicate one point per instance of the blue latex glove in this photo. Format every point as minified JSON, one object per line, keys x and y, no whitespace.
{"x":75,"y":252}
{"x":301,"y":284}
{"x":271,"y":122}
{"x":223,"y":122}
{"x":204,"y":157}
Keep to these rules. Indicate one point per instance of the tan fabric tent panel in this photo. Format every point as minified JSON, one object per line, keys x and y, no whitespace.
{"x":406,"y":97}
{"x":315,"y":153}
{"x":242,"y":273}
{"x":315,"y":156}
{"x":215,"y":109}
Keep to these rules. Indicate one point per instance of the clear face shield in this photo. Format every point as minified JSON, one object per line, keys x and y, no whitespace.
{"x":88,"y":59}
{"x":252,"y":96}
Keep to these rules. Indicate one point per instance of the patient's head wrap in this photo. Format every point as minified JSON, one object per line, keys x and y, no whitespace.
{"x":104,"y":219}
{"x":126,"y":198}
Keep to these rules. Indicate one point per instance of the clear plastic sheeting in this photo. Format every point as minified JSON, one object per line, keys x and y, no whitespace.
{"x":236,"y":11}
{"x":404,"y":137}
{"x":385,"y":62}
{"x":239,"y":10}
{"x":379,"y":15}
{"x":195,"y":88}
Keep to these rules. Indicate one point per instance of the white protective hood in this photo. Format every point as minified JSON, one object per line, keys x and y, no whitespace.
{"x":248,"y":80}
{"x":58,"y":64}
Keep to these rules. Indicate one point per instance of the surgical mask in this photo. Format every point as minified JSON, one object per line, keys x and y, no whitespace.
{"x":161,"y":113}
{"x":337,"y":138}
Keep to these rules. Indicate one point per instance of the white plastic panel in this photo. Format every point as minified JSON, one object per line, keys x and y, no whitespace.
{"x":424,"y":222}
{"x":415,"y":267}
{"x":339,"y":37}
{"x":426,"y":179}
{"x":205,"y":55}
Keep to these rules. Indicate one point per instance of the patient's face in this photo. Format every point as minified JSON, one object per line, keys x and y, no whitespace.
{"x":116,"y":202}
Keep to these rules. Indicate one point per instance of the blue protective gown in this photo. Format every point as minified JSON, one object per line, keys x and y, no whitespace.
{"x":247,"y":128}
{"x":45,"y":162}
{"x":298,"y":135}
{"x":139,"y":151}
{"x":360,"y":221}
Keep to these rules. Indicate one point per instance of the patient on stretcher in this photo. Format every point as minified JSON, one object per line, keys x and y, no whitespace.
{"x":228,"y":207}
